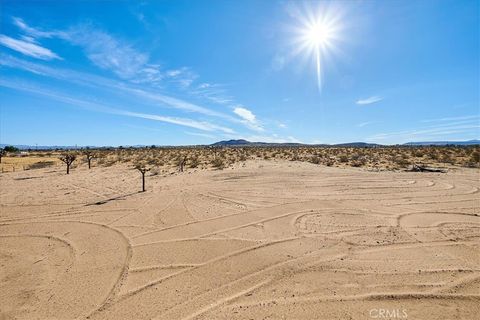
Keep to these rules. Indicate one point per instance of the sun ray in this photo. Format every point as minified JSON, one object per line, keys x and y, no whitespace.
{"x":316,"y":34}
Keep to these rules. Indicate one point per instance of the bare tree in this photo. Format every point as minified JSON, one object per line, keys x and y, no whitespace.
{"x":90,"y":155}
{"x":182,"y":163}
{"x":68,"y":160}
{"x":142,"y":170}
{"x":2,"y":154}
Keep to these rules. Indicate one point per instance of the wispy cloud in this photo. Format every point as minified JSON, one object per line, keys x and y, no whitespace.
{"x":267,"y":138}
{"x":183,"y":76}
{"x":136,"y":73}
{"x":213,"y":92}
{"x":28,"y":48}
{"x":452,"y":118}
{"x":125,"y":61}
{"x":364,"y":124}
{"x":98,"y":107}
{"x":369,"y":100}
{"x":33,"y":32}
{"x":432,"y":132}
{"x":86,"y":79}
{"x":199,"y":134}
{"x":110,"y":53}
{"x":201,"y":125}
{"x":248,"y":118}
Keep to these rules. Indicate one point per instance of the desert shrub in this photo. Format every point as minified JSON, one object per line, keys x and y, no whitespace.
{"x":155,"y":172}
{"x":295,"y":157}
{"x":194,"y":162}
{"x":218,"y":163}
{"x":447,"y":158}
{"x":354,"y":157}
{"x":417,"y":153}
{"x":316,"y":159}
{"x":41,"y":164}
{"x":359,"y":162}
{"x":401,"y":161}
{"x":475,"y":157}
{"x":343,"y":158}
{"x":432,"y":154}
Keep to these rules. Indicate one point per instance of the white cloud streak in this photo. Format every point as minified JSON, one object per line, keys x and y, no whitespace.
{"x":369,"y":100}
{"x":245,"y":114}
{"x":28,"y":48}
{"x":452,"y":118}
{"x":426,"y":133}
{"x":248,"y":118}
{"x":86,"y":79}
{"x":130,"y":65}
{"x":93,"y":106}
{"x":203,"y":135}
{"x":364,"y":124}
{"x":112,"y":54}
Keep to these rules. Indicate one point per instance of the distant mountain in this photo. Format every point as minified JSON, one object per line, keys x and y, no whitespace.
{"x":244,"y":143}
{"x":239,"y":142}
{"x":444,"y":143}
{"x":356,"y":145}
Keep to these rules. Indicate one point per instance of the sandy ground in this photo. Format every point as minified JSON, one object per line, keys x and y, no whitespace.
{"x":264,"y":240}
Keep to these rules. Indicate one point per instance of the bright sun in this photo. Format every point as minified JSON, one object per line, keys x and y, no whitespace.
{"x":316,"y":35}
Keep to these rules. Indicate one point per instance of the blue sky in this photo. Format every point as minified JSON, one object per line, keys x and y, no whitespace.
{"x":195,"y":72}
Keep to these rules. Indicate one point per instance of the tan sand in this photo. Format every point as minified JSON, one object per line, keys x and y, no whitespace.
{"x":262,"y":240}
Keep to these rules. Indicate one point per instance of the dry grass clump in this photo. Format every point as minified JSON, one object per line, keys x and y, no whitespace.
{"x":40,"y":165}
{"x":218,"y":163}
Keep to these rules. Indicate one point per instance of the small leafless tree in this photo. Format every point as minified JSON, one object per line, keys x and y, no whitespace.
{"x":90,"y":155}
{"x":182,"y":163}
{"x":2,"y":154}
{"x":143,"y":170}
{"x":68,"y":160}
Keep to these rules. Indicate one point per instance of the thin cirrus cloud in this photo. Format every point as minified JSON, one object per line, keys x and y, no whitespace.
{"x":369,"y":100}
{"x":202,"y":135}
{"x":471,"y":117}
{"x":133,"y":66}
{"x":97,"y":107}
{"x":85,"y":79}
{"x":117,"y":56}
{"x":109,"y":53}
{"x":426,"y":133}
{"x":247,"y":117}
{"x":28,"y":48}
{"x":364,"y":124}
{"x":213,"y":92}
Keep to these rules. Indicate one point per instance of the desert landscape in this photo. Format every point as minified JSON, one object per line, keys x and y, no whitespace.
{"x":241,"y":233}
{"x":239,"y":160}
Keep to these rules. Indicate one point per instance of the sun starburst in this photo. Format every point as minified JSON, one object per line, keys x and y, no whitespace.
{"x":316,"y":35}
